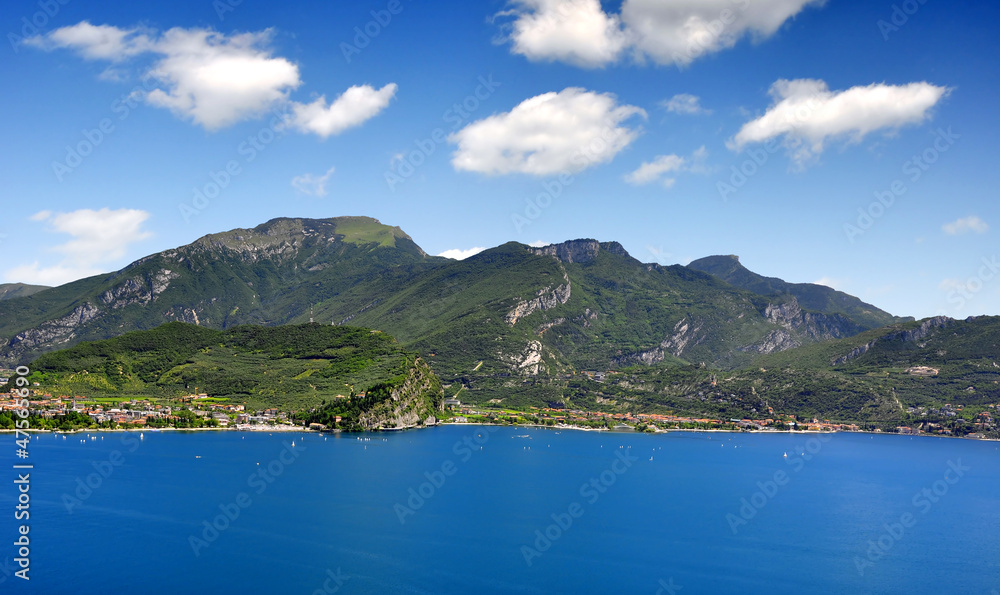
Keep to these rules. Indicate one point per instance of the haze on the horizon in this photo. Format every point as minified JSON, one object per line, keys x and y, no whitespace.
{"x":842,"y":142}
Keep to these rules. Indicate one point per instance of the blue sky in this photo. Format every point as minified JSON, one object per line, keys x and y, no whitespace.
{"x":766,"y":129}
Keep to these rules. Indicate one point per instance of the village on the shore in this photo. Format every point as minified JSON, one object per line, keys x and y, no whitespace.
{"x":202,"y":411}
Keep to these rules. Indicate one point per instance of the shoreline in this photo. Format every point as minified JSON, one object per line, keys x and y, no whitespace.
{"x":290,"y":428}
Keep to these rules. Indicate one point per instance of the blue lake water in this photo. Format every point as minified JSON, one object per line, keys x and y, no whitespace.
{"x":683,"y":512}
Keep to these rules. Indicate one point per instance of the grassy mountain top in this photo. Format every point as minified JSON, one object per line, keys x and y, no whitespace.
{"x":290,"y":366}
{"x":810,"y":296}
{"x":360,"y":231}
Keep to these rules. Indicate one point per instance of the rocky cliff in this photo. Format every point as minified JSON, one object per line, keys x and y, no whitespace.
{"x":579,"y":250}
{"x":413,"y":402}
{"x":913,"y":335}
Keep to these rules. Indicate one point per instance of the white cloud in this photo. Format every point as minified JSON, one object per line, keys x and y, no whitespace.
{"x":216,"y":80}
{"x":668,"y":32}
{"x":651,"y":171}
{"x":659,"y":254}
{"x":357,"y":105}
{"x":951,"y":284}
{"x":540,"y":244}
{"x":457,"y":254}
{"x":567,"y":131}
{"x":35,"y":274}
{"x":965,"y":225}
{"x":96,"y":42}
{"x":312,"y":185}
{"x":97,"y":238}
{"x":655,"y":170}
{"x":686,"y":104}
{"x":680,"y":31}
{"x":807,"y":114}
{"x":830,"y":282}
{"x":573,"y":31}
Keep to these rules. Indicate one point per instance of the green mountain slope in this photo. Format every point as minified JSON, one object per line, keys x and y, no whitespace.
{"x":15,"y":290}
{"x":882,"y":373}
{"x":515,"y":314}
{"x":287,"y":367}
{"x":938,"y":374}
{"x":267,"y":275}
{"x":510,"y":317}
{"x":811,"y":296}
{"x":514,"y":325}
{"x":517,"y":309}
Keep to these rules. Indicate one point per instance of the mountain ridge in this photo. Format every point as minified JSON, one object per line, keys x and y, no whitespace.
{"x":509,"y":311}
{"x":810,"y":295}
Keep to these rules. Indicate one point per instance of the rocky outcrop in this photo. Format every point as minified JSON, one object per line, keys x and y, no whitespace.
{"x":138,"y":289}
{"x":541,"y":329}
{"x":546,"y":299}
{"x":188,"y":315}
{"x":58,"y":332}
{"x":799,"y":326}
{"x":53,"y":332}
{"x":817,"y":326}
{"x":776,"y":340}
{"x":686,"y":333}
{"x":579,"y":250}
{"x":528,"y":361}
{"x":411,"y":403}
{"x":910,"y":335}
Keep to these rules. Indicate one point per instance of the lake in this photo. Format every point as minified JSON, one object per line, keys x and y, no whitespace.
{"x":475,"y":509}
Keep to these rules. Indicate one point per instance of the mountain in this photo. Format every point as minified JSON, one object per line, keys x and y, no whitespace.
{"x":13,"y":290}
{"x":939,"y":364}
{"x":811,"y":296}
{"x":939,"y":374}
{"x":514,"y":316}
{"x":297,"y":367}
{"x":523,"y":311}
{"x":268,"y":275}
